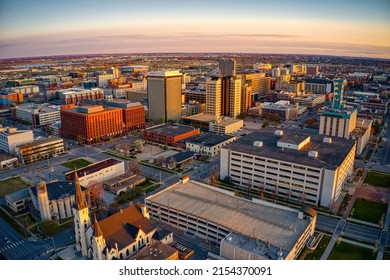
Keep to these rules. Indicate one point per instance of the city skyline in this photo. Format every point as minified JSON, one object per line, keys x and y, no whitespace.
{"x":92,"y":27}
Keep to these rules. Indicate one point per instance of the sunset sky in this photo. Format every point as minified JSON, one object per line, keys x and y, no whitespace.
{"x":44,"y":27}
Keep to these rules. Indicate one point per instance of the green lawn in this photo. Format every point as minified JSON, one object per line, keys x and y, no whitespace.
{"x":51,"y":228}
{"x":77,"y":163}
{"x":347,"y":251}
{"x":378,"y":179}
{"x":317,"y":253}
{"x":11,"y":185}
{"x":368,"y":211}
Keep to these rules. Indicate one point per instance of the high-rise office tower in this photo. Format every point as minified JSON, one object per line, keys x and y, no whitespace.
{"x":338,"y":89}
{"x":164,"y":96}
{"x":223,"y":96}
{"x":227,"y":67}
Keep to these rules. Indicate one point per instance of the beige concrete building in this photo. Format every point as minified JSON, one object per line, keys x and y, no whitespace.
{"x":208,"y":144}
{"x":164,"y":96}
{"x":362,"y":134}
{"x":10,"y":138}
{"x":207,"y":122}
{"x":338,"y":122}
{"x":215,"y":214}
{"x":223,"y":96}
{"x":293,"y":165}
{"x":38,"y":115}
{"x":310,"y":100}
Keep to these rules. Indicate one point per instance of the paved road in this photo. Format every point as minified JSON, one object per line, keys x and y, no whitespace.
{"x":355,"y":231}
{"x":20,"y":248}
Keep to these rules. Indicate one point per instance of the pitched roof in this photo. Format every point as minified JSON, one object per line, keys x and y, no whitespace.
{"x":80,"y":201}
{"x":98,"y":232}
{"x":123,"y":227}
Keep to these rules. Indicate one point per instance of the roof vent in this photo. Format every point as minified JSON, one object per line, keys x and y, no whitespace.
{"x":313,"y":154}
{"x":327,"y":140}
{"x":279,"y":132}
{"x":258,"y":144}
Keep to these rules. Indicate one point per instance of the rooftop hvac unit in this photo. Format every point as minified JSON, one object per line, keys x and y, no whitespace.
{"x":258,"y":144}
{"x":279,"y":132}
{"x":327,"y":140}
{"x":313,"y":154}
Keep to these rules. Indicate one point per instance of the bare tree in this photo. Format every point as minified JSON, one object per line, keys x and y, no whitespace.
{"x":213,"y":176}
{"x":96,"y":195}
{"x":172,"y":162}
{"x":138,"y":145}
{"x":134,"y":167}
{"x":249,"y":185}
{"x":160,"y":160}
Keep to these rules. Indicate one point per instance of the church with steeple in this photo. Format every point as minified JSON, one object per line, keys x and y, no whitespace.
{"x":119,"y":236}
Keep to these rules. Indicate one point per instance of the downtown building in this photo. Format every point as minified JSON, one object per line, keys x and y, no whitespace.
{"x":341,"y":121}
{"x":164,"y":96}
{"x":40,"y":149}
{"x":133,"y":113}
{"x":38,"y":115}
{"x":76,"y":95}
{"x":223,"y":96}
{"x":292,"y":165}
{"x":91,"y":124}
{"x":11,"y":137}
{"x":266,"y":231}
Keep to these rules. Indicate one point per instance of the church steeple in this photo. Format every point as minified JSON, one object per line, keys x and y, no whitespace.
{"x":98,"y":231}
{"x":80,"y":200}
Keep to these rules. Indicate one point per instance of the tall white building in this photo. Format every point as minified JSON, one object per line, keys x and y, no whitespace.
{"x":104,"y":79}
{"x":11,"y":137}
{"x":290,"y":164}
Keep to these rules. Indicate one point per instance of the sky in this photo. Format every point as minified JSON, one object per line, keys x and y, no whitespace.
{"x":328,"y":27}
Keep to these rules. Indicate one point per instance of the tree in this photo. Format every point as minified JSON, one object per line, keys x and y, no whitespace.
{"x":265,"y":124}
{"x":160,"y":160}
{"x":79,"y":139}
{"x":96,"y":195}
{"x":275,"y":117}
{"x":249,"y":185}
{"x":172,"y":162}
{"x":138,"y":145}
{"x":213,"y":176}
{"x":134,"y":166}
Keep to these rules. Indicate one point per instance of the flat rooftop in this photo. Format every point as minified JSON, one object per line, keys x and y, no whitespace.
{"x":255,"y":246}
{"x":41,"y":142}
{"x":209,"y":139}
{"x":170,"y":129}
{"x":278,"y":225}
{"x":330,"y":155}
{"x":156,"y":251}
{"x":206,"y":118}
{"x":92,"y":168}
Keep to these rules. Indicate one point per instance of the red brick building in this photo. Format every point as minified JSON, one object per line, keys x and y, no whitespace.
{"x":91,"y":124}
{"x":133,"y":114}
{"x":169,"y":134}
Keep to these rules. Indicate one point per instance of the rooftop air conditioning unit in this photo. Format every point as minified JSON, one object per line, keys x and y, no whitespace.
{"x":313,"y":154}
{"x":258,"y":144}
{"x":279,"y":132}
{"x":327,"y":140}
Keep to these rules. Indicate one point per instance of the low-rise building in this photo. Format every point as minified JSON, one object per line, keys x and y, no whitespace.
{"x":133,"y":113}
{"x":211,"y":213}
{"x":310,"y":100}
{"x":293,"y":165}
{"x":98,"y":172}
{"x":17,"y":201}
{"x":208,"y":144}
{"x":75,"y":95}
{"x":157,"y":251}
{"x":11,"y":137}
{"x":281,"y":109}
{"x":123,"y":183}
{"x":362,"y":134}
{"x":210,"y":123}
{"x":169,"y":134}
{"x":40,"y":149}
{"x":38,"y":115}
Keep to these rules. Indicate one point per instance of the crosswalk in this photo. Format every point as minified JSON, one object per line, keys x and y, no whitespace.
{"x":12,"y":245}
